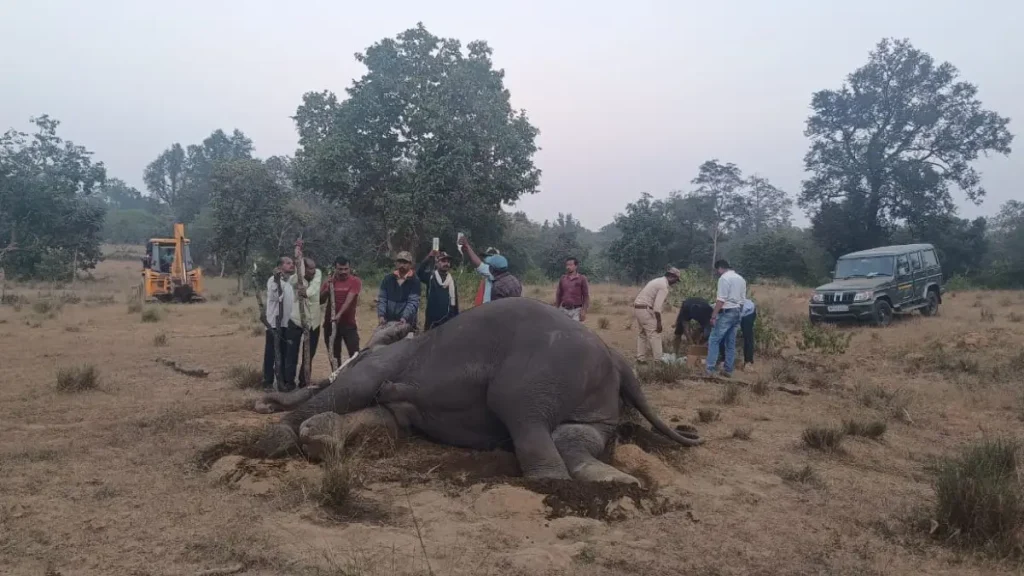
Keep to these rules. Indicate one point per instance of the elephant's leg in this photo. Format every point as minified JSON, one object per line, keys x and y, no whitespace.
{"x":536,"y":452}
{"x":328,"y":433}
{"x":580,"y":445}
{"x":284,"y":401}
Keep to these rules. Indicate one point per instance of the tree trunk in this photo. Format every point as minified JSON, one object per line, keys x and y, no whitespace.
{"x":714,"y":249}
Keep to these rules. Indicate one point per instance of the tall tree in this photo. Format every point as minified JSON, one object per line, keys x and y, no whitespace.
{"x":720,"y":186}
{"x":49,"y":225}
{"x":247,"y":202}
{"x":642,"y":249}
{"x":165,"y":176}
{"x":1007,"y":254}
{"x":427,"y":128}
{"x":764,"y":207}
{"x":893,"y":140}
{"x":563,"y":241}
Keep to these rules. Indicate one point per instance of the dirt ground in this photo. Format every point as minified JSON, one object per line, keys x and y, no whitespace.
{"x":122,"y":480}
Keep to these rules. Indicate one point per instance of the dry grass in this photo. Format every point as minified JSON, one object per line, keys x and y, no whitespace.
{"x":657,"y":372}
{"x":152,"y":314}
{"x":730,"y":394}
{"x":246,"y":377}
{"x":978,"y":498}
{"x":78,"y":378}
{"x":603,"y":323}
{"x":824,"y":438}
{"x":866,"y":429}
{"x":160,"y":340}
{"x":96,"y":472}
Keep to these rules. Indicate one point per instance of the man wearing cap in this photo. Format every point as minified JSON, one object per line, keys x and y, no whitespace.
{"x":500,"y":283}
{"x":442,"y":296}
{"x":398,"y":299}
{"x":647,"y":310}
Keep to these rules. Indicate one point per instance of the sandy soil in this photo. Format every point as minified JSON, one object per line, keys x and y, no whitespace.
{"x":122,"y":480}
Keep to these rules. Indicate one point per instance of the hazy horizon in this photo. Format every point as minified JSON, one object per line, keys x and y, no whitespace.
{"x":627,"y":99}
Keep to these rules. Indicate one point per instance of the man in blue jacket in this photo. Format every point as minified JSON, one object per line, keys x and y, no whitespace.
{"x":399,"y":297}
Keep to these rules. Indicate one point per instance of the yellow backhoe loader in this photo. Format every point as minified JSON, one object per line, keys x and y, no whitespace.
{"x":168,"y":274}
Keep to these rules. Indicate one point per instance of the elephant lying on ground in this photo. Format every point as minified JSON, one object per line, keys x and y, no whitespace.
{"x":513,"y":373}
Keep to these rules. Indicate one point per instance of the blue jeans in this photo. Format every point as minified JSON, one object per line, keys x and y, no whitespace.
{"x":724,"y":331}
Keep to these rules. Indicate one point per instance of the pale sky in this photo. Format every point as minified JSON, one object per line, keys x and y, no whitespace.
{"x":628,"y":96}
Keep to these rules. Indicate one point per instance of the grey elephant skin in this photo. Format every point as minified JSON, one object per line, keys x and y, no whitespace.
{"x":515,"y":373}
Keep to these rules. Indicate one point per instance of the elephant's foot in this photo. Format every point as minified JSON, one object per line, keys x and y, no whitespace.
{"x":597,"y":471}
{"x":327,"y":434}
{"x":277,"y":441}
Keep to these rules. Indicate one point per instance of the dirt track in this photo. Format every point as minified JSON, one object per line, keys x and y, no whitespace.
{"x":111,"y":481}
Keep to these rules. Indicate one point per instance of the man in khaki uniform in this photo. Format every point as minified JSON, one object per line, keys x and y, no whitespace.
{"x":647,"y":309}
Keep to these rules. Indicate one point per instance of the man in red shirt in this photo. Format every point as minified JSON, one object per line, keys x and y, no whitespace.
{"x":346,"y":288}
{"x":573,"y":293}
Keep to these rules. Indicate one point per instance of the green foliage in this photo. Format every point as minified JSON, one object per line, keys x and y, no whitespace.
{"x":978,"y":499}
{"x":824,"y":338}
{"x":891,"y":143}
{"x":771,"y":255}
{"x":49,"y":225}
{"x":562,"y":239}
{"x":693,"y":283}
{"x":136,"y":226}
{"x":428,"y":127}
{"x":641,"y":250}
{"x":769,"y":338}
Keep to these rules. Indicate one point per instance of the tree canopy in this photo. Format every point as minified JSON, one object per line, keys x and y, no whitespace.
{"x":427,"y":128}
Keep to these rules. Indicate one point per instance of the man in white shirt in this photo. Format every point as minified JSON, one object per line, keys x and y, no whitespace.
{"x":725,"y":318}
{"x":279,"y":303}
{"x":314,"y":317}
{"x":647,"y":311}
{"x":748,"y":315}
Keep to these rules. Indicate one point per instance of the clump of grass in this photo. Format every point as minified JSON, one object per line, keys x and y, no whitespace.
{"x":870,"y":429}
{"x":596,"y":306}
{"x":730,"y":394}
{"x":784,"y":372}
{"x":72,"y":329}
{"x":803,"y":475}
{"x":216,"y":296}
{"x":1015,"y":317}
{"x":760,"y":387}
{"x":70,"y":298}
{"x":978,"y":498}
{"x":258,"y":330}
{"x":661,"y":372}
{"x":707,"y":415}
{"x":877,"y":397}
{"x":160,"y":340}
{"x":152,"y":314}
{"x":46,"y":306}
{"x":603,"y":323}
{"x":78,"y":378}
{"x":234,"y":300}
{"x":134,"y":307}
{"x":336,"y":482}
{"x":824,"y":438}
{"x":742,"y":433}
{"x":99,"y":299}
{"x":987,"y":315}
{"x":824,"y":338}
{"x":245,"y":377}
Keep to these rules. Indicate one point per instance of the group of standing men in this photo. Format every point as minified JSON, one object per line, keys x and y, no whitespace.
{"x":398,"y":301}
{"x":718,"y":323}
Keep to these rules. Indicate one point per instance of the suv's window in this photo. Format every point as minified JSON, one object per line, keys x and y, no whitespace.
{"x":915,"y":260}
{"x":929,"y":259}
{"x":902,"y":265}
{"x":868,"y":267}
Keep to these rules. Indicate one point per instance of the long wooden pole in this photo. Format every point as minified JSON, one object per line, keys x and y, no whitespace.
{"x":303,"y":304}
{"x":278,"y":367}
{"x":334,"y":327}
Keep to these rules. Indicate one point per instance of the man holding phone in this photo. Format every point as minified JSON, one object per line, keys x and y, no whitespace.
{"x":442,"y":294}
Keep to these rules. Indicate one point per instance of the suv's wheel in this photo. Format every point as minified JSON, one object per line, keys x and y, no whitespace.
{"x":883,"y":313}
{"x":932,"y":307}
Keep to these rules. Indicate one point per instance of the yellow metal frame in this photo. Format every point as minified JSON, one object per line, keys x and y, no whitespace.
{"x":163,"y":286}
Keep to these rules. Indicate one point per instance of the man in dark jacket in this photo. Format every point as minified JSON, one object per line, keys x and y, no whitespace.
{"x":442,"y":296}
{"x":398,"y":299}
{"x":697,"y":310}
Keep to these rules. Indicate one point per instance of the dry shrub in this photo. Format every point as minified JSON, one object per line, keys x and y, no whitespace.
{"x":46,"y":306}
{"x":245,"y":377}
{"x":1015,"y":317}
{"x":603,"y":323}
{"x":99,"y":299}
{"x":742,"y":433}
{"x":257,"y":330}
{"x":877,"y":397}
{"x":336,"y":482}
{"x":215,"y":297}
{"x":784,"y":372}
{"x":661,"y":372}
{"x":730,"y":394}
{"x":134,"y":307}
{"x":596,"y":306}
{"x":824,"y":338}
{"x":152,"y":314}
{"x":987,"y":315}
{"x":160,"y":340}
{"x":870,"y":429}
{"x":760,"y":387}
{"x":234,"y":300}
{"x":78,"y":378}
{"x":978,"y":499}
{"x":824,"y":438}
{"x":803,"y":475}
{"x":707,"y":415}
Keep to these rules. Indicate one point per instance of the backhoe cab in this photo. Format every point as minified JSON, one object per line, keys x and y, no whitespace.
{"x":168,"y":274}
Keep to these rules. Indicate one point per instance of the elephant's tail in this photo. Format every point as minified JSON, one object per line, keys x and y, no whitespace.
{"x":629,"y":388}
